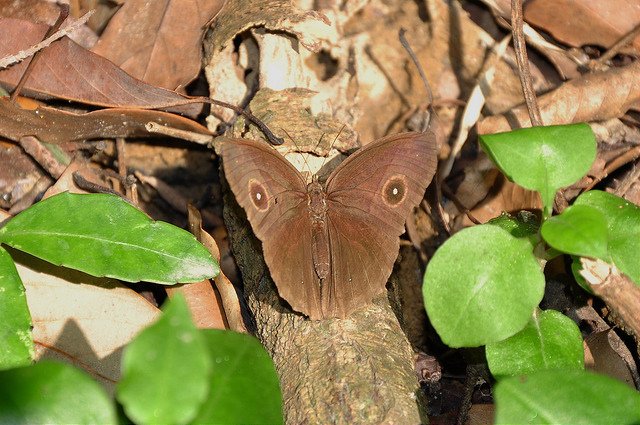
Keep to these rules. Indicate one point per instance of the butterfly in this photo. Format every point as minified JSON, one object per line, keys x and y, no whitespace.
{"x":330,"y":247}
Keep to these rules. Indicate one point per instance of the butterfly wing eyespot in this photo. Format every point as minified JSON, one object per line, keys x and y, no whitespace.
{"x":394,"y":191}
{"x":258,"y":194}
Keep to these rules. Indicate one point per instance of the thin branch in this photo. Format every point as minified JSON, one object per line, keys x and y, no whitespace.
{"x":201,"y":139}
{"x":273,"y":139}
{"x":414,"y":58}
{"x":615,"y":49}
{"x":617,"y":290}
{"x":519,"y":45}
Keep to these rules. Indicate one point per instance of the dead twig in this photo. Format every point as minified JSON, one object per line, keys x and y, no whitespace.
{"x":31,"y":51}
{"x":520,"y":47}
{"x":619,"y":292}
{"x":615,"y":49}
{"x":625,"y":158}
{"x":43,"y":156}
{"x":190,"y":136}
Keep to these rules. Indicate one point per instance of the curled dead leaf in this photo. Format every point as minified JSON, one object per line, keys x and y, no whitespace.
{"x":592,"y":97}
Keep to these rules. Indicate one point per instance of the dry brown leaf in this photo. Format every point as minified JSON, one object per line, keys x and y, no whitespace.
{"x":47,"y":13}
{"x":505,"y":196}
{"x":32,"y":10}
{"x":81,"y":319}
{"x":17,"y":179}
{"x":65,"y":183}
{"x":55,"y":126}
{"x":486,"y":193}
{"x":608,"y":355}
{"x":68,"y":71}
{"x":227,"y":299}
{"x":158,"y":42}
{"x":593,"y":97}
{"x":566,"y":61}
{"x":203,"y":301}
{"x":4,"y":216}
{"x":585,"y":22}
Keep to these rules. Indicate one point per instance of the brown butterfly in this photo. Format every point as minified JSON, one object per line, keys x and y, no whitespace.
{"x":331,"y":248}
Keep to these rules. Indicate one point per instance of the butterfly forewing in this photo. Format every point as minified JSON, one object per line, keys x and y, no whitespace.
{"x":265,"y":184}
{"x":386,"y":178}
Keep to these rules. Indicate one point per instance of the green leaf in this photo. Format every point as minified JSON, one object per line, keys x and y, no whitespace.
{"x":623,"y":225}
{"x":549,"y":341}
{"x":565,"y":397}
{"x":53,"y":393}
{"x":579,"y":230}
{"x":482,"y":286}
{"x":543,"y":158}
{"x":165,"y":369}
{"x":244,"y":385}
{"x":15,"y":321}
{"x":576,"y":268}
{"x":524,"y":224}
{"x":102,"y":235}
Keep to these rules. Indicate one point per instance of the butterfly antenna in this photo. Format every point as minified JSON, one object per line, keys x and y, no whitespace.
{"x":324,"y":160}
{"x":289,"y":136}
{"x":336,"y":138}
{"x":436,"y":192}
{"x":414,"y":58}
{"x":304,"y":158}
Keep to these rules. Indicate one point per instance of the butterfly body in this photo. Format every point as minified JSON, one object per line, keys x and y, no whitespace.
{"x":319,"y":231}
{"x":330,"y":248}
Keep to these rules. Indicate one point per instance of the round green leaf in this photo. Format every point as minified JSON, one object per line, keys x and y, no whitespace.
{"x":623,"y":225}
{"x":481,"y":286}
{"x":165,"y":369}
{"x":576,"y":268}
{"x":549,"y":341}
{"x":53,"y":393}
{"x":103,"y":235}
{"x":543,"y":158}
{"x":15,"y":321}
{"x":565,"y":397}
{"x":244,"y":385}
{"x":523,"y":225}
{"x":579,"y":230}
